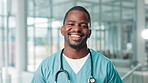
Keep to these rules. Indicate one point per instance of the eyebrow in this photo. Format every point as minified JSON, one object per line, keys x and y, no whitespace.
{"x":80,"y":22}
{"x":84,"y":23}
{"x":71,"y":21}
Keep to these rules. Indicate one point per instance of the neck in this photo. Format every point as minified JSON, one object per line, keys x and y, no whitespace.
{"x":75,"y":53}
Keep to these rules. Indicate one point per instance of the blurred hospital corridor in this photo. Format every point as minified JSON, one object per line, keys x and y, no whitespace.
{"x":30,"y":30}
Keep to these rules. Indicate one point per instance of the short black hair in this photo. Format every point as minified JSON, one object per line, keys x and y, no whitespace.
{"x":80,"y":8}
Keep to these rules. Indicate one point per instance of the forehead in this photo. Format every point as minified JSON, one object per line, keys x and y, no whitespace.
{"x":77,"y":15}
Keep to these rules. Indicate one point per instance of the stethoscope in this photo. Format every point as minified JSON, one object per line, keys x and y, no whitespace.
{"x":90,"y":80}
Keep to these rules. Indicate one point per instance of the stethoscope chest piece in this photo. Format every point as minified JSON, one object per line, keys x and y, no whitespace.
{"x":91,"y":80}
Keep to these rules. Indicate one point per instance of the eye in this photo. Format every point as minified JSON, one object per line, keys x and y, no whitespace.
{"x":70,"y":24}
{"x":84,"y":26}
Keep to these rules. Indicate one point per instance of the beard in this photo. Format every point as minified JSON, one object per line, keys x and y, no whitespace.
{"x":77,"y":46}
{"x":81,"y":45}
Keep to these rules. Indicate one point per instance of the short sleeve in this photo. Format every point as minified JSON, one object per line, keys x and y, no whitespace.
{"x":39,"y":76}
{"x":112,"y":74}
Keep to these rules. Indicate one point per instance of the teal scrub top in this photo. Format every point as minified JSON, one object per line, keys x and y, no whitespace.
{"x":103,"y":70}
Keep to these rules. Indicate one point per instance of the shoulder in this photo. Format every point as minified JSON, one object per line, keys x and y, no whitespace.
{"x":100,"y":57}
{"x":45,"y":68}
{"x":106,"y":67}
{"x":102,"y":62}
{"x":50,"y":59}
{"x":48,"y":62}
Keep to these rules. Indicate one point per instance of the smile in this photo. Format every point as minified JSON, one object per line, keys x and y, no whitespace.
{"x":75,"y":35}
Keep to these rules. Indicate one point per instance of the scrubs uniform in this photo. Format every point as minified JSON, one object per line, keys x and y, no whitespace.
{"x":103,"y":70}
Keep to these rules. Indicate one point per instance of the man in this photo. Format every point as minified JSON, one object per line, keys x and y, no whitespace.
{"x":76,"y":63}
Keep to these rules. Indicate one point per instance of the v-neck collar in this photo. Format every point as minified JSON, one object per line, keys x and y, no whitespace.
{"x":76,"y":64}
{"x":85,"y":68}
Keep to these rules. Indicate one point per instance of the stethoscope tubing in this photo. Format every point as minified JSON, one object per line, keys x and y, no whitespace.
{"x":66,"y":73}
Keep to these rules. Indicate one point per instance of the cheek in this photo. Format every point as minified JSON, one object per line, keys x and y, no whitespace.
{"x":64,"y":31}
{"x":67,"y":29}
{"x":88,"y":33}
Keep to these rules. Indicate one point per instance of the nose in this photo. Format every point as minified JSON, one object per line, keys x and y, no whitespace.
{"x":77,"y":28}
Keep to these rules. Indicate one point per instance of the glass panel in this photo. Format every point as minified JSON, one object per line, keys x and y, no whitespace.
{"x":56,"y":42}
{"x":31,"y":8}
{"x":1,"y":22}
{"x":116,"y":13}
{"x":12,"y":47}
{"x":86,"y":5}
{"x":117,"y":2}
{"x":146,"y":1}
{"x":41,"y":43}
{"x":41,"y":23}
{"x":12,"y":22}
{"x":5,"y":44}
{"x":5,"y":21}
{"x":129,"y":3}
{"x":4,"y":7}
{"x":38,"y":22}
{"x":37,"y":47}
{"x":60,"y":2}
{"x":93,"y":9}
{"x":146,"y":15}
{"x":128,"y":38}
{"x":95,"y":13}
{"x":1,"y":36}
{"x":107,"y":12}
{"x":111,"y":44}
{"x":110,"y":13}
{"x":1,"y":48}
{"x":12,"y":7}
{"x":95,"y":25}
{"x":89,"y":1}
{"x":31,"y":48}
{"x":58,"y":14}
{"x":39,"y":8}
{"x":91,"y":40}
{"x":1,"y":6}
{"x":113,"y":2}
{"x":128,"y":14}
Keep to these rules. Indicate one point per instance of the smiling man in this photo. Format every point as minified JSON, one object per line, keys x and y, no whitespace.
{"x":76,"y":31}
{"x":76,"y":63}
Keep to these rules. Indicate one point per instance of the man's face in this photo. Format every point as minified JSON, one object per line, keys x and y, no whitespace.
{"x":76,"y":30}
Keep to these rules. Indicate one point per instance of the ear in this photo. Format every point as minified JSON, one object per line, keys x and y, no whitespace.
{"x":89,"y":33}
{"x":62,"y":30}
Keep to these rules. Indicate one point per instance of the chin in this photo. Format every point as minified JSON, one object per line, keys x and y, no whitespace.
{"x":75,"y":47}
{"x":78,"y":46}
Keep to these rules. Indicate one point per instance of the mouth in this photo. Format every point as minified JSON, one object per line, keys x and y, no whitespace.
{"x":76,"y":36}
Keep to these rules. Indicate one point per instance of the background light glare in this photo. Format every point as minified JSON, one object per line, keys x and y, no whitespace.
{"x":145,"y":34}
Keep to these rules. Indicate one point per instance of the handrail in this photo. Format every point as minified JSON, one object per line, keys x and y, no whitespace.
{"x":130,"y":72}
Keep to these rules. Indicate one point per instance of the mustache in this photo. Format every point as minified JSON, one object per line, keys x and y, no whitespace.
{"x":75,"y":32}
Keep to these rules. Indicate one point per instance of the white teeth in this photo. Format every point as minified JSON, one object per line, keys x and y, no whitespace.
{"x":75,"y":35}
